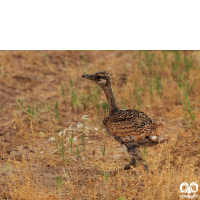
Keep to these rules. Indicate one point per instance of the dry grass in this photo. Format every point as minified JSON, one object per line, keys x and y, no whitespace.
{"x":42,"y":93}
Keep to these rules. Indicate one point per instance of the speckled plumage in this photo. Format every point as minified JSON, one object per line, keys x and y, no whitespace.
{"x":132,"y":128}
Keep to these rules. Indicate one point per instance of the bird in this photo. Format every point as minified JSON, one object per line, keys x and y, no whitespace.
{"x":131,"y":128}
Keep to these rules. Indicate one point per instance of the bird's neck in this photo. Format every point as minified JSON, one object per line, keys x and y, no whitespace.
{"x":111,"y":100}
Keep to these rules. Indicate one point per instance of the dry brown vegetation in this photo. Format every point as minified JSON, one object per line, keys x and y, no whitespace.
{"x":42,"y":93}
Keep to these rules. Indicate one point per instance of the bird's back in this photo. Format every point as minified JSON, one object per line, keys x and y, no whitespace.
{"x":132,"y":126}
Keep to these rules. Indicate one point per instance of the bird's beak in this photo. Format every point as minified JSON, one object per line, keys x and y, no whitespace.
{"x":88,"y":76}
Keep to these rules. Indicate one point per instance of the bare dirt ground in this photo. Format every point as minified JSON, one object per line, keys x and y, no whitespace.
{"x":43,"y":93}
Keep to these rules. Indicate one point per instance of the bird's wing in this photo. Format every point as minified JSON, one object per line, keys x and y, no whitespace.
{"x":132,"y":126}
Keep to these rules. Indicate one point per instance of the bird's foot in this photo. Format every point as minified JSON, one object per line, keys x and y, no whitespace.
{"x":127,"y":167}
{"x":132,"y":163}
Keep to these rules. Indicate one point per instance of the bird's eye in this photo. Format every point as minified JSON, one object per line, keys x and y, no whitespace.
{"x":98,"y":77}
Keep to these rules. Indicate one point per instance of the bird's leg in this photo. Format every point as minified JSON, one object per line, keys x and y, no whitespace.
{"x":136,"y":155}
{"x":127,"y":167}
{"x":139,"y":158}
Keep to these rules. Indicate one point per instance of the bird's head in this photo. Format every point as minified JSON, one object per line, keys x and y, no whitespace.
{"x":101,"y":78}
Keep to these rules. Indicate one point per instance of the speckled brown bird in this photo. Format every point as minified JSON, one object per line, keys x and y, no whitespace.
{"x":132,"y":128}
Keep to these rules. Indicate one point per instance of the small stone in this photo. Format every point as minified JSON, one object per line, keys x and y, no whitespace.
{"x":79,"y":125}
{"x":51,"y":139}
{"x":96,"y":129}
{"x":85,"y":117}
{"x":62,"y":132}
